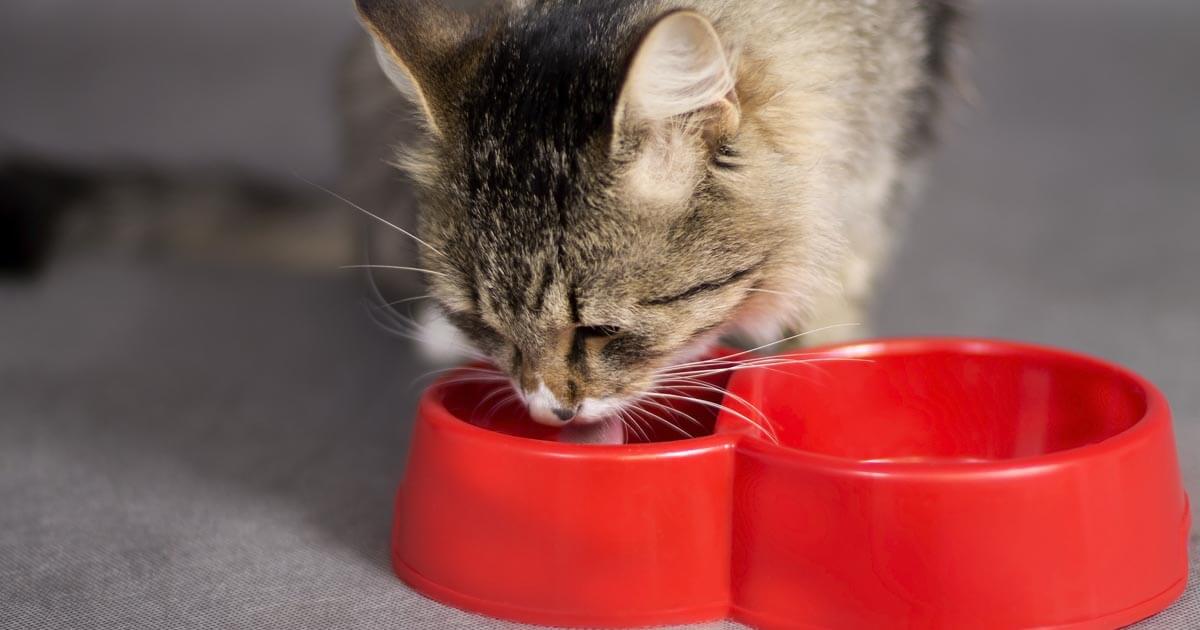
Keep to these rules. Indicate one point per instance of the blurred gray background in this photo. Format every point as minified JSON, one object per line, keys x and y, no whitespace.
{"x":184,"y":447}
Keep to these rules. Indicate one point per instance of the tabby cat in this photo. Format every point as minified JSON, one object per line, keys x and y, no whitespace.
{"x":609,"y":186}
{"x":605,"y":187}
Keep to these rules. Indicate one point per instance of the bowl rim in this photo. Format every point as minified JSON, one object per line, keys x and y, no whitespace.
{"x":1155,"y":417}
{"x":432,"y":409}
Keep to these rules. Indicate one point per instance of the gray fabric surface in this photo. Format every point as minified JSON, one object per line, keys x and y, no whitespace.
{"x":196,"y":448}
{"x":175,"y":82}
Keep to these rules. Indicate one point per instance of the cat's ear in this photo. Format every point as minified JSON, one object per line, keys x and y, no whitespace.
{"x":418,"y":43}
{"x":680,"y":72}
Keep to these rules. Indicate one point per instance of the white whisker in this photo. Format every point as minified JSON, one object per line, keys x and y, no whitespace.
{"x":470,"y":380}
{"x":672,"y":410}
{"x":763,"y":363}
{"x":479,"y":375}
{"x":700,"y":401}
{"x":764,"y":346}
{"x":507,"y":400}
{"x":403,"y":301}
{"x":782,"y":293}
{"x":725,"y":393}
{"x":660,"y":419}
{"x":783,"y":360}
{"x":395,"y":267}
{"x":408,"y":328}
{"x":491,"y":395}
{"x":625,"y":415}
{"x":461,"y":368}
{"x":369,"y":213}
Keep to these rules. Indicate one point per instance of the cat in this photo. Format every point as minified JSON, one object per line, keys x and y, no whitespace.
{"x":609,"y":186}
{"x":605,"y":187}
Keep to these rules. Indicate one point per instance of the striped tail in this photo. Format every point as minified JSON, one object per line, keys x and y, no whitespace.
{"x":50,"y":211}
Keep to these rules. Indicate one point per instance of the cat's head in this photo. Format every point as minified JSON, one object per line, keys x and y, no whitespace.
{"x":597,"y":196}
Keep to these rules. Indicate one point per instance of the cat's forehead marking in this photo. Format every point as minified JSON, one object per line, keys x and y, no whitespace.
{"x":542,"y":210}
{"x":541,"y":102}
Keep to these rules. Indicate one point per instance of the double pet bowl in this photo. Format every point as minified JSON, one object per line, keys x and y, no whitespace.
{"x":932,"y":483}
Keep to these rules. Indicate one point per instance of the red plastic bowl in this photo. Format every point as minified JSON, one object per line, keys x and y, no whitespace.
{"x":931,"y":483}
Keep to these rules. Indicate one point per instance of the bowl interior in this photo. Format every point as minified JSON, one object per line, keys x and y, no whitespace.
{"x":957,"y":404}
{"x":683,"y":412}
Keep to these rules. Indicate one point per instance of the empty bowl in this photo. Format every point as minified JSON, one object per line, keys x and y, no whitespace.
{"x":929,"y":483}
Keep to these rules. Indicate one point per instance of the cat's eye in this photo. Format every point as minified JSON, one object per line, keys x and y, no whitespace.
{"x":590,"y":332}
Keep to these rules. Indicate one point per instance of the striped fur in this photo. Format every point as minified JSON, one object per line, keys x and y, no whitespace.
{"x":589,"y":232}
{"x":609,"y":185}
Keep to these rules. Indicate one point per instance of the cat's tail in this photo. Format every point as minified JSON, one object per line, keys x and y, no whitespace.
{"x":53,"y":210}
{"x":32,"y":197}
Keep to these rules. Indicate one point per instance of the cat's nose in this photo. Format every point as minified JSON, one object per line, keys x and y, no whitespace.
{"x":564,"y":414}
